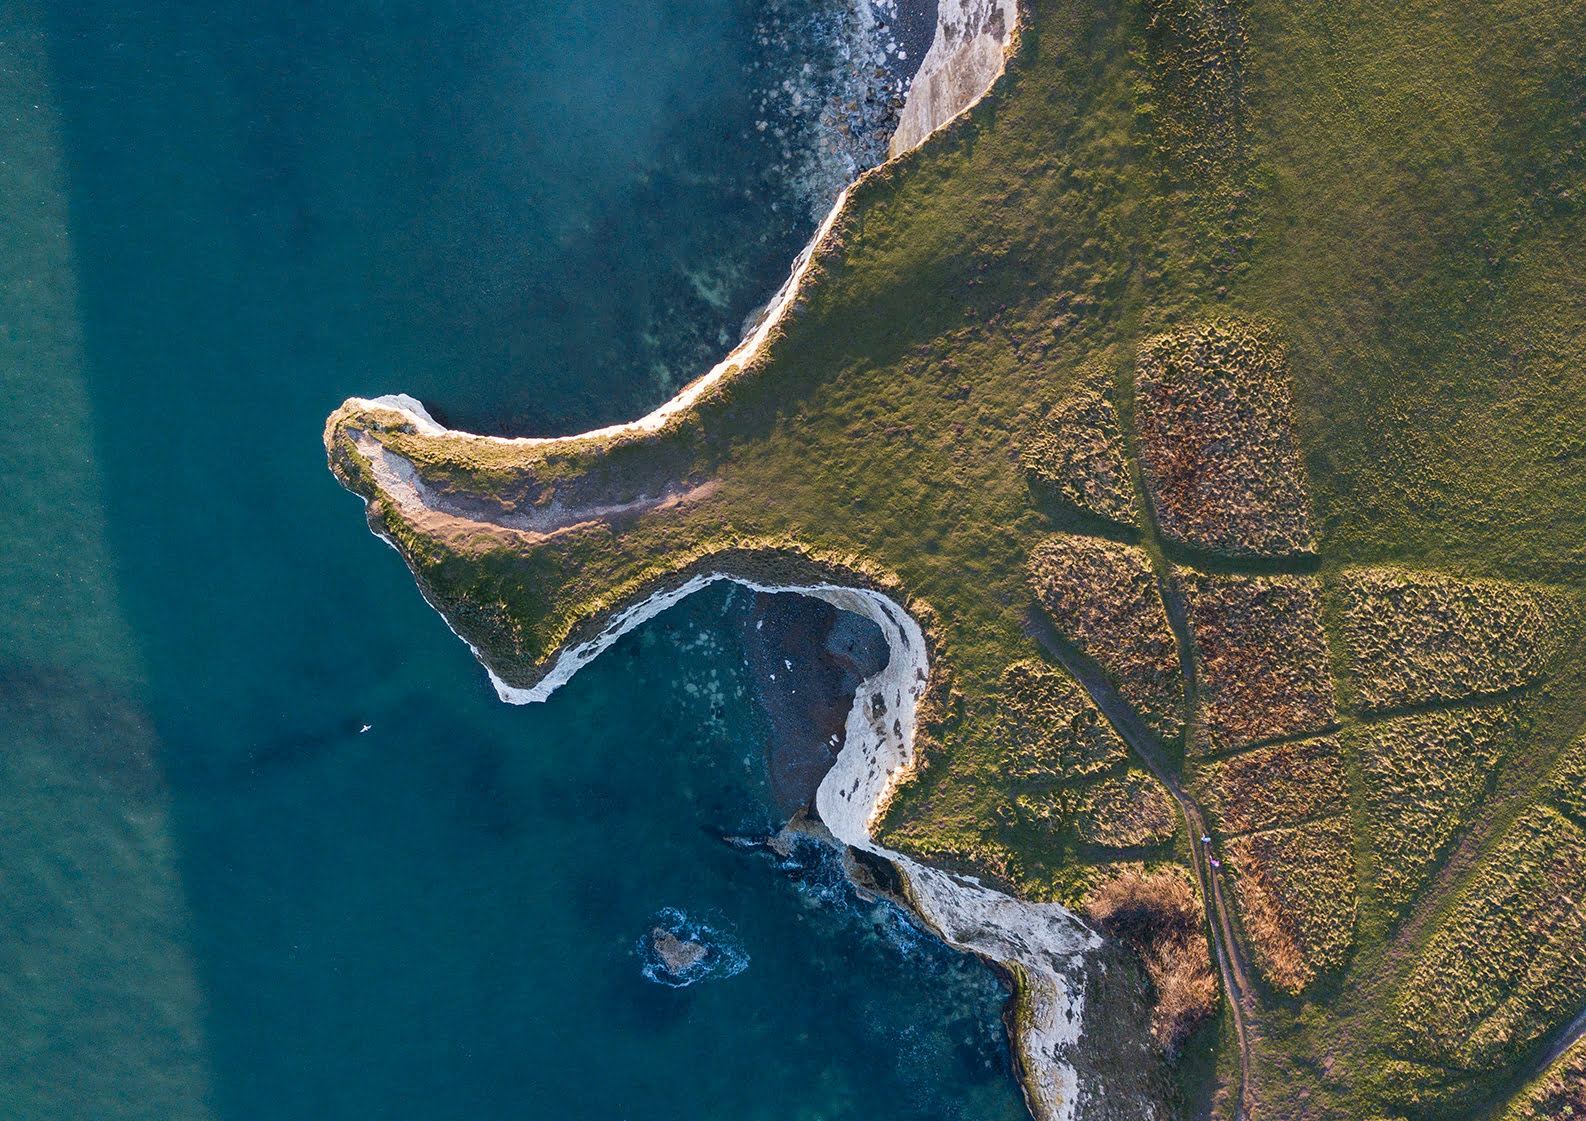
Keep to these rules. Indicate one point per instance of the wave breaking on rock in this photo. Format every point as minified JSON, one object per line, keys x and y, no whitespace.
{"x":678,"y":951}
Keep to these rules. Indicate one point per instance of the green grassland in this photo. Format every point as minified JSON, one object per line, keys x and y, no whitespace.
{"x":1423,"y":774}
{"x":1506,"y":965}
{"x":1397,"y":192}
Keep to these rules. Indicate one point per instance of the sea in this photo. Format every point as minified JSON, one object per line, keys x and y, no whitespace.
{"x":270,"y":847}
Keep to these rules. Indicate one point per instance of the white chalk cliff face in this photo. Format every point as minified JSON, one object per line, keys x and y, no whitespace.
{"x":1046,"y":948}
{"x":1044,"y":944}
{"x":966,"y":57}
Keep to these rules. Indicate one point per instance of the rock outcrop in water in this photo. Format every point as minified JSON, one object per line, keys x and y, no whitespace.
{"x":678,"y":951}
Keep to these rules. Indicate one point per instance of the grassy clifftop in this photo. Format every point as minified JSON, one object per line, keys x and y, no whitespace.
{"x":1394,"y":196}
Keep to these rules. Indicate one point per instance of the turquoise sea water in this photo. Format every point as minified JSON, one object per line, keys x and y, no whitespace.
{"x":220,"y":898}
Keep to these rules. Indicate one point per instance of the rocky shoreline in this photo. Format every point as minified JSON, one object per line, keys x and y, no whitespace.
{"x":1050,"y":956}
{"x":833,"y":117}
{"x":970,"y":43}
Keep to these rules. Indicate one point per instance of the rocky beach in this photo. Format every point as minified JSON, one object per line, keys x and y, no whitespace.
{"x":807,"y":660}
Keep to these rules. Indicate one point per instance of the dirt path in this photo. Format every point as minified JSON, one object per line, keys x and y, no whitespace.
{"x":1572,"y":1035}
{"x":1231,"y":964}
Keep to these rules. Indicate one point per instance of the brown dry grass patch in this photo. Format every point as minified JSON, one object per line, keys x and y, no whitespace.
{"x":1217,"y":447}
{"x":1278,"y":785}
{"x":1158,"y":916}
{"x":1294,"y":889}
{"x":1261,"y":660}
{"x":1104,"y":598}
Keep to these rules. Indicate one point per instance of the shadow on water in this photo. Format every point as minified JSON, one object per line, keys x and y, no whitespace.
{"x":103,"y":724}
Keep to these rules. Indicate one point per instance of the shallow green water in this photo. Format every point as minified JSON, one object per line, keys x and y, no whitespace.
{"x":221,"y":898}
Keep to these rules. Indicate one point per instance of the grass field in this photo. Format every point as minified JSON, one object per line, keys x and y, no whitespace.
{"x":1418,"y":638}
{"x":1294,"y":889}
{"x":1131,"y":811}
{"x":1424,"y":775}
{"x":1567,"y":787}
{"x":1509,"y":961}
{"x":1103,"y":597}
{"x":1049,"y":729}
{"x":1283,"y":784}
{"x":1397,"y":193}
{"x":1077,"y":452}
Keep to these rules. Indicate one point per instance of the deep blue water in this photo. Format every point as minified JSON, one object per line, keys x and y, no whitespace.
{"x":223,"y":900}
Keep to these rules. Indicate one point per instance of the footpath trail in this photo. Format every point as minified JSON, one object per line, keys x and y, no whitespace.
{"x":1231,"y":963}
{"x":1572,"y":1034}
